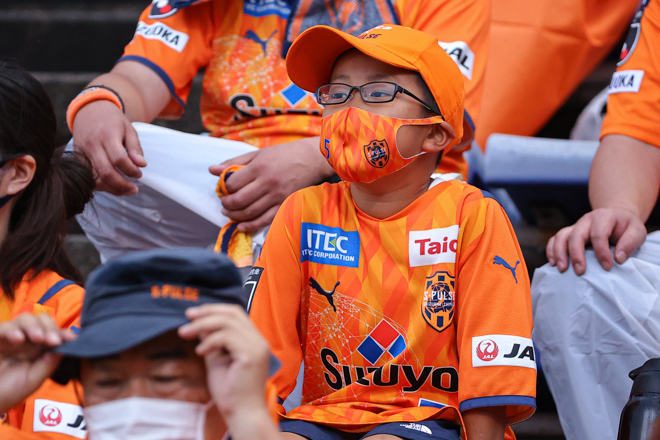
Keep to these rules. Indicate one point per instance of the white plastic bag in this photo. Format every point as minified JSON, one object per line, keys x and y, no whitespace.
{"x":176,"y":204}
{"x":591,"y":331}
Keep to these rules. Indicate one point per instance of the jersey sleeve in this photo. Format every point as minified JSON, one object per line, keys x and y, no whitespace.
{"x":276,"y":299}
{"x":633,"y":107}
{"x":493,"y":314}
{"x":175,"y":46}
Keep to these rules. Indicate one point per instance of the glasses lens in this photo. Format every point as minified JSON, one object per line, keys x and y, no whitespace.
{"x":333,"y":93}
{"x":378,"y":92}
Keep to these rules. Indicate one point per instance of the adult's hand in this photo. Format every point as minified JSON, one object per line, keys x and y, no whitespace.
{"x":25,"y":361}
{"x":269,"y":176}
{"x":106,"y":135}
{"x":602,"y":227}
{"x":237,"y":358}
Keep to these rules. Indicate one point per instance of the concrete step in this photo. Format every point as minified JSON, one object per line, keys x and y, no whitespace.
{"x":62,"y":87}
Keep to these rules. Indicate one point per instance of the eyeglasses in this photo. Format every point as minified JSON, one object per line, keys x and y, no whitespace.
{"x":373,"y":92}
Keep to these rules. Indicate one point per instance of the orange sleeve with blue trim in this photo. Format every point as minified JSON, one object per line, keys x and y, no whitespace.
{"x":633,"y":105}
{"x":176,"y":47}
{"x":276,"y":299}
{"x":52,"y":412}
{"x":493,"y":313}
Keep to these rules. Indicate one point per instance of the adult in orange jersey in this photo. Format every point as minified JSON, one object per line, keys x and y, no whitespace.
{"x":39,"y":190}
{"x":604,"y":284}
{"x":247,"y":96}
{"x":406,"y":297}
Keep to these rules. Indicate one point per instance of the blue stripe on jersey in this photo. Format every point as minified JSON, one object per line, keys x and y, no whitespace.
{"x":156,"y":68}
{"x":479,"y":402}
{"x":488,"y":195}
{"x":61,"y":284}
{"x":226,"y":238}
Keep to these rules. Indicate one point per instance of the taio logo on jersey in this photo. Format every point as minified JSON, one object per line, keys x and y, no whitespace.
{"x":633,"y":34}
{"x":162,"y":9}
{"x":514,"y":351}
{"x":333,"y":246}
{"x":438,"y":302}
{"x":377,"y":153}
{"x":433,"y":246}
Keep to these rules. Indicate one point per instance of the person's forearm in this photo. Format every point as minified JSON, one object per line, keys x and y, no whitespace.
{"x":485,"y":423}
{"x":625,"y":174}
{"x":142,"y":91}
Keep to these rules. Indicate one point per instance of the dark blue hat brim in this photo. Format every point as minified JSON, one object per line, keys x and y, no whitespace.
{"x":114,"y":335}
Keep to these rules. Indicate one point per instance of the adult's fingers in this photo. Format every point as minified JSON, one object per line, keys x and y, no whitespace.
{"x":631,"y":239}
{"x":119,"y":159}
{"x":602,"y":227}
{"x":243,"y":159}
{"x":260,"y":222}
{"x":107,"y":177}
{"x":133,"y":147}
{"x":557,"y":249}
{"x":238,"y":205}
{"x":576,"y":242}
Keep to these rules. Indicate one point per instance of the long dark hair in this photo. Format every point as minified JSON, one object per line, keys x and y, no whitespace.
{"x":61,"y":186}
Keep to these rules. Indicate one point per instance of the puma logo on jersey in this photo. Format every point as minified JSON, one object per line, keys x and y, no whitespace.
{"x":328,"y":295}
{"x":502,"y":262}
{"x":251,"y":35}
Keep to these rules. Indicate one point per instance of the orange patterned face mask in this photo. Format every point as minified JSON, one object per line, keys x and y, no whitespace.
{"x":361,"y":146}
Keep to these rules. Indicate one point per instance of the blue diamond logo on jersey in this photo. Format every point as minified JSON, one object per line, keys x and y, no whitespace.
{"x":384,"y":338}
{"x":438,"y":302}
{"x":293,"y":94}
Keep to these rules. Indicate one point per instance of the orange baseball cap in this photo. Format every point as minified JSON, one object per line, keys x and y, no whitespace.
{"x":313,"y":54}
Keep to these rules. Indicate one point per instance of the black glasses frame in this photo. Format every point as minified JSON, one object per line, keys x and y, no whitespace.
{"x":397,"y":89}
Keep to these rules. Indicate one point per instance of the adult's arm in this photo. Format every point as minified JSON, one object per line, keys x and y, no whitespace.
{"x":485,"y":423}
{"x":623,"y":188}
{"x":106,"y":135}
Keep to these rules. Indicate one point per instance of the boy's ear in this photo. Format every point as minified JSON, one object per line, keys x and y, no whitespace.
{"x":439,"y":138}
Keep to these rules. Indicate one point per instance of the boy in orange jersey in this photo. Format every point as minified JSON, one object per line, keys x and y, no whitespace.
{"x":391,"y":286}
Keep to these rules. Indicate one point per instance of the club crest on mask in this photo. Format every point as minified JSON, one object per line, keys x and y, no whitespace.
{"x":377,"y":153}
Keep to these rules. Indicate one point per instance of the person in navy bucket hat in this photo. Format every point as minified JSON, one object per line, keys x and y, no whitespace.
{"x":165,"y":351}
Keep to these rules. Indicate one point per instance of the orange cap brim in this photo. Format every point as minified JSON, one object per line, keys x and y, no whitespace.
{"x":314,"y":53}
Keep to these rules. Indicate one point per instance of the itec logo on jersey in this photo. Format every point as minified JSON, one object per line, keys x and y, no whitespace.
{"x":63,"y":418}
{"x":514,"y":351}
{"x":333,"y":246}
{"x":433,"y":246}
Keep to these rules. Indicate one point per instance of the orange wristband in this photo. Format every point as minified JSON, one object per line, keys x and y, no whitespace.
{"x":91,"y":94}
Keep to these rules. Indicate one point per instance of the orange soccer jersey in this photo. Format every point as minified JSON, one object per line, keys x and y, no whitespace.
{"x":247,"y":95}
{"x":414,"y":317}
{"x":633,"y":106}
{"x":53,"y":411}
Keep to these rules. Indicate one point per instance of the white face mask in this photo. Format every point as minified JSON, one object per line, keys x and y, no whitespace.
{"x":139,"y":418}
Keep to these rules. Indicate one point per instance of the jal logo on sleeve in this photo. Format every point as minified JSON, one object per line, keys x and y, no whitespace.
{"x":332,"y":246}
{"x":433,"y":246}
{"x":513,"y":351}
{"x":462,"y":55}
{"x":63,"y":418}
